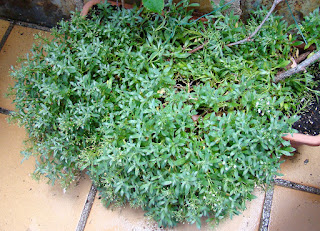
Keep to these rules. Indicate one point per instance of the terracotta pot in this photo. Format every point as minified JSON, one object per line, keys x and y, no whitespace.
{"x":91,"y":3}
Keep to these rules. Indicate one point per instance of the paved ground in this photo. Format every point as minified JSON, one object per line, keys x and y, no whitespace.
{"x":292,"y":204}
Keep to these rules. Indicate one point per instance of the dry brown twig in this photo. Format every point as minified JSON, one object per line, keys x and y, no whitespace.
{"x":298,"y":60}
{"x":303,"y":57}
{"x":298,"y":68}
{"x":198,"y":47}
{"x":249,"y":38}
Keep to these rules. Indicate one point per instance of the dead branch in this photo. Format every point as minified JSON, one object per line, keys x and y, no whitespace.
{"x":298,"y":60}
{"x":297,"y":69}
{"x":303,"y":57}
{"x":249,"y":38}
{"x":198,"y":47}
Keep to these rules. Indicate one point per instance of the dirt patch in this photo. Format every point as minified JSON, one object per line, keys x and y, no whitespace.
{"x":309,"y":122}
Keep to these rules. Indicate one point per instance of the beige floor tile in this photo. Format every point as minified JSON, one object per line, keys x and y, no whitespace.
{"x":17,"y":45}
{"x":248,"y":220}
{"x":125,"y":219}
{"x":27,"y":204}
{"x":193,"y":227}
{"x":303,"y":167}
{"x":3,"y":27}
{"x":294,"y":210}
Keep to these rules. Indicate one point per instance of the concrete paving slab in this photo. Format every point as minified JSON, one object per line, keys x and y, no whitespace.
{"x":248,"y":220}
{"x":30,"y":205}
{"x":127,"y":218}
{"x":294,"y":210}
{"x":3,"y":27}
{"x":303,"y":167}
{"x":17,"y":45}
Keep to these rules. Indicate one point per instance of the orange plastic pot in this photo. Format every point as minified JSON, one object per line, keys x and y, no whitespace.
{"x":90,"y":4}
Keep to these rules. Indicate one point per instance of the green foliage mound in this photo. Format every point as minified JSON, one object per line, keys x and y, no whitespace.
{"x":310,"y":27}
{"x":182,"y":135}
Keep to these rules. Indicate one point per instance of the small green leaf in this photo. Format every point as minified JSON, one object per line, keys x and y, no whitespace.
{"x":182,"y":55}
{"x":167,"y":183}
{"x":297,"y":43}
{"x":284,"y":63}
{"x":154,"y":5}
{"x":180,"y":161}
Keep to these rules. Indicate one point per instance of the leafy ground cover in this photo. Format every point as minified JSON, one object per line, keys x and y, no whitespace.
{"x":182,"y":135}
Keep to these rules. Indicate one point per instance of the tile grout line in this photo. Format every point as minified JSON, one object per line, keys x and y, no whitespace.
{"x":33,"y":26}
{"x":5,"y":111}
{"x":27,"y":24}
{"x":266,"y":211}
{"x":87,"y":208}
{"x":2,"y":42}
{"x":296,"y":186}
{"x":267,"y":204}
{"x":6,"y":34}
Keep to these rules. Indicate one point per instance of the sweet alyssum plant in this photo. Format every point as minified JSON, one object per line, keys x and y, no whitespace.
{"x":183,"y":136}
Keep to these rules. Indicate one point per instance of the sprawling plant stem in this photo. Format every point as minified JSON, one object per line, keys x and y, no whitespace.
{"x":298,"y":68}
{"x":249,"y":38}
